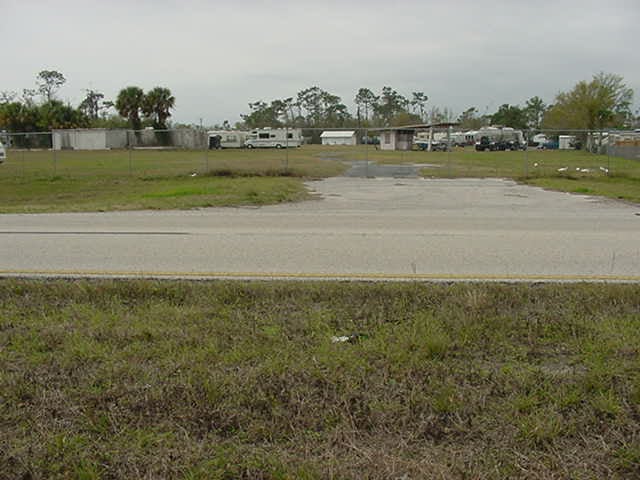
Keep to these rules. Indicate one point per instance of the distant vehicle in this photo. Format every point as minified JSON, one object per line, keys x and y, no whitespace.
{"x":463,"y":139}
{"x":499,"y":139}
{"x":549,"y":145}
{"x":436,"y":145}
{"x":3,"y":154}
{"x":538,"y":140}
{"x":274,"y":138}
{"x":226,"y":139}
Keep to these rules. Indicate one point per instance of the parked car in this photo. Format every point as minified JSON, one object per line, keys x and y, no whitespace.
{"x":487,"y":143}
{"x":436,"y":146}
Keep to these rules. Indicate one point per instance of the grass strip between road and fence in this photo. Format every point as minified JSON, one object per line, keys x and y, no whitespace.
{"x":274,"y":380}
{"x":46,"y":181}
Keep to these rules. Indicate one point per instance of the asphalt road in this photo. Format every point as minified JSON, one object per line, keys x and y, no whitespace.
{"x":356,"y":228}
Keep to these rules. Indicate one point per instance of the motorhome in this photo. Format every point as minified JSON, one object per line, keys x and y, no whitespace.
{"x":3,"y":154}
{"x":274,"y":138}
{"x":226,"y":139}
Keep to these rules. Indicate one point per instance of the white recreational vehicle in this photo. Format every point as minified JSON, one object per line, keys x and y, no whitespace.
{"x":274,"y":138}
{"x":3,"y":154}
{"x":226,"y":139}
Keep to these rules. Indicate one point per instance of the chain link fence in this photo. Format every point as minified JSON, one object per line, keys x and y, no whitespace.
{"x":365,"y":152}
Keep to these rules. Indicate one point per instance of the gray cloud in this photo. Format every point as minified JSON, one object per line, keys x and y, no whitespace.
{"x":217,"y":56}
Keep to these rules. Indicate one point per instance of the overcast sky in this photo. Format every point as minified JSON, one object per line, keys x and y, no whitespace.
{"x":218,"y":56}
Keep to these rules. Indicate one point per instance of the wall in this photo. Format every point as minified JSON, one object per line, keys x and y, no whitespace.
{"x":339,"y":140}
{"x":388,"y":140}
{"x":116,"y":139}
{"x":187,"y":138}
{"x":102,"y":139}
{"x":89,"y":139}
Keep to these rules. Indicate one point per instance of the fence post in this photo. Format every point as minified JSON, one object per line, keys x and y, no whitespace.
{"x":55,"y":157}
{"x":129,"y":152}
{"x":449,"y":168}
{"x":206,"y":155}
{"x":366,"y":153}
{"x":286,"y":149}
{"x":609,"y":153}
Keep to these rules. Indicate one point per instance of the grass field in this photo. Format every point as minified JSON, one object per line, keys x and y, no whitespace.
{"x":194,"y":380}
{"x":32,"y":182}
{"x":44,"y":181}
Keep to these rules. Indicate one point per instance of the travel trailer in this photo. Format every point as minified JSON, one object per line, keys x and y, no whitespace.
{"x":3,"y":154}
{"x":226,"y":139}
{"x":274,"y":138}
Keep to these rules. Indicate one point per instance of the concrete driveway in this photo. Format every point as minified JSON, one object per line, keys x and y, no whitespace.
{"x":356,"y":228}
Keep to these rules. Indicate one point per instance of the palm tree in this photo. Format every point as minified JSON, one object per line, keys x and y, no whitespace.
{"x":157,"y":106}
{"x":129,"y":103}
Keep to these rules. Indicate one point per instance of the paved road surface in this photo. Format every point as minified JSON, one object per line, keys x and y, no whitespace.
{"x":356,"y":228}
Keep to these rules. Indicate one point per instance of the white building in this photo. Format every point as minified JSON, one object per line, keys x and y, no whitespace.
{"x":89,"y":139}
{"x":396,"y":139}
{"x":345,"y":137}
{"x":401,"y":138}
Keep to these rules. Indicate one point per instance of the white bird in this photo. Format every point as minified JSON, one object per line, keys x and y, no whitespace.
{"x":194,"y":174}
{"x":563,"y":169}
{"x":535,"y":164}
{"x":577,"y":169}
{"x":340,"y":339}
{"x":584,"y":170}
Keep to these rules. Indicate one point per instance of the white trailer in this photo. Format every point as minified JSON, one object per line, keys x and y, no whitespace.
{"x":274,"y":138}
{"x":3,"y":154}
{"x":338,"y":137}
{"x":226,"y":139}
{"x":566,"y":142}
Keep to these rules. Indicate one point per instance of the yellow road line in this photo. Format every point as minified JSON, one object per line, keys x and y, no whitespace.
{"x":338,"y":276}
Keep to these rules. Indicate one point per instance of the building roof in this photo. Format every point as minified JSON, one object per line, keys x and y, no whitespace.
{"x":420,"y":126}
{"x":337,"y":134}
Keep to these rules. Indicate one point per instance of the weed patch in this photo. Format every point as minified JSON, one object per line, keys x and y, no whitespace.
{"x":176,"y":379}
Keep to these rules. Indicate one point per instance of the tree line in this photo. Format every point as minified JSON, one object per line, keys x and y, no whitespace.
{"x":38,"y":109}
{"x":603,"y":102}
{"x":315,"y":107}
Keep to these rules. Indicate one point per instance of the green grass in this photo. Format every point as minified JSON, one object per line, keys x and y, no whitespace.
{"x":56,"y":194}
{"x":618,"y":187}
{"x":40,"y":181}
{"x":33,"y":182}
{"x":149,"y":379}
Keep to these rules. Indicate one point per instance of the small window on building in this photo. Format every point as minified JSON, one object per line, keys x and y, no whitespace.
{"x":387,"y":138}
